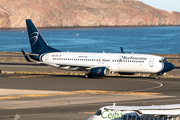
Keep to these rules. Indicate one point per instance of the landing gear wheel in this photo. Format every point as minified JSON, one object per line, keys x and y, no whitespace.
{"x":88,"y":75}
{"x":157,"y":77}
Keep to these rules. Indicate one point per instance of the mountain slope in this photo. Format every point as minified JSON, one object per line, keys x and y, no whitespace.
{"x":62,"y":13}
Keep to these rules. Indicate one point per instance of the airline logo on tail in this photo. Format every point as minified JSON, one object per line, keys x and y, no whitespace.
{"x":34,"y":37}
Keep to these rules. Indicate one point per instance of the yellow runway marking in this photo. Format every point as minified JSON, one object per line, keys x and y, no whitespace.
{"x":37,"y":95}
{"x":77,"y":92}
{"x":116,"y":92}
{"x":30,"y":76}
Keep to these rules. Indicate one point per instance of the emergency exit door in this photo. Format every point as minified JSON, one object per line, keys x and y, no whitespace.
{"x":151,"y":62}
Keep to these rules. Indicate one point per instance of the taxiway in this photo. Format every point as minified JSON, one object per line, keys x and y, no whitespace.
{"x":40,"y":97}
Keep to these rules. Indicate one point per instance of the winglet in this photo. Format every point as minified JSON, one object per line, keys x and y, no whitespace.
{"x":26,"y":57}
{"x":114,"y":104}
{"x":122,"y":51}
{"x":16,"y":117}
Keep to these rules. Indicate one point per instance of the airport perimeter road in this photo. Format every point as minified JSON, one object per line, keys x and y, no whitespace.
{"x":56,"y":97}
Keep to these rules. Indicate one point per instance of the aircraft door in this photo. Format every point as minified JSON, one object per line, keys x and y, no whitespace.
{"x":46,"y":58}
{"x":151,"y":62}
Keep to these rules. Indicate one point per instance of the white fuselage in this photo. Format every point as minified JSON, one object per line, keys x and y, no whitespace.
{"x":160,"y":112}
{"x":121,"y":62}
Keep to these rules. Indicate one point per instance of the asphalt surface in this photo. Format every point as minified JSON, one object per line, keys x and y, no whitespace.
{"x":53,"y":105}
{"x":81,"y":106}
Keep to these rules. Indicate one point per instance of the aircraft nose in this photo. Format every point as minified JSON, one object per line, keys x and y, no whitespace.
{"x":91,"y":118}
{"x":168,"y":67}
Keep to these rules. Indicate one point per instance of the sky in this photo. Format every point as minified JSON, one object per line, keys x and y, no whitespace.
{"x":169,"y":5}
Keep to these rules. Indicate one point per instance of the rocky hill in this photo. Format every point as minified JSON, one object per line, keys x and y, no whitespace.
{"x":63,"y":13}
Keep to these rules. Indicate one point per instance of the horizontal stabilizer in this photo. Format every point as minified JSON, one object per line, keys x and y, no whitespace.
{"x":26,"y":57}
{"x":33,"y":55}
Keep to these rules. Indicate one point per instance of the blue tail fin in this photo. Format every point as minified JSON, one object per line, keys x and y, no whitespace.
{"x":38,"y":44}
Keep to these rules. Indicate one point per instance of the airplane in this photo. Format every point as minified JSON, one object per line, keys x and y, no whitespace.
{"x":95,"y":64}
{"x":154,"y":112}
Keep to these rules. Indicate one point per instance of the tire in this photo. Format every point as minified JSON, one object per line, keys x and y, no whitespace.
{"x":157,"y":77}
{"x":88,"y":76}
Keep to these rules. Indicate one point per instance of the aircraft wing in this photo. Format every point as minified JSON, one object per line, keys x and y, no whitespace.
{"x":161,"y":110}
{"x":74,"y":65}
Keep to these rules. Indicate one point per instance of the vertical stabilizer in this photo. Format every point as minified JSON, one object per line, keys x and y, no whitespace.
{"x":37,"y":42}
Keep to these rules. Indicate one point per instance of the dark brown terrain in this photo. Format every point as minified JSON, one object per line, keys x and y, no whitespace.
{"x":70,"y":13}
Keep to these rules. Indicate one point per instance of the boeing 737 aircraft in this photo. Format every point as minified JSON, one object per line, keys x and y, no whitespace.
{"x":95,"y":64}
{"x":158,"y":112}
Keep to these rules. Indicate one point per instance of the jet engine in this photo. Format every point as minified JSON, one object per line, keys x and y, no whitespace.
{"x":100,"y":71}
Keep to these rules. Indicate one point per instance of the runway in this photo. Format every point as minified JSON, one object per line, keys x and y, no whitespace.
{"x":44,"y":97}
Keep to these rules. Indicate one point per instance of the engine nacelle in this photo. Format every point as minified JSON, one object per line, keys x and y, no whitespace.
{"x":100,"y":71}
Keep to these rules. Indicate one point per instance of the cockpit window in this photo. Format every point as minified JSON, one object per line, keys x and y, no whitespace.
{"x":164,"y":60}
{"x":98,"y":112}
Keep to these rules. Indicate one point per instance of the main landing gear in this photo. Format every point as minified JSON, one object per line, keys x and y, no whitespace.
{"x":88,"y":75}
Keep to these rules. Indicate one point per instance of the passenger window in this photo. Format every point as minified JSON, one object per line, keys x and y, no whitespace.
{"x":134,"y":117}
{"x":124,"y":117}
{"x":129,"y":117}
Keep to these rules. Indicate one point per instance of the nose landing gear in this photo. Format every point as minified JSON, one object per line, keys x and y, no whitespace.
{"x":157,"y":76}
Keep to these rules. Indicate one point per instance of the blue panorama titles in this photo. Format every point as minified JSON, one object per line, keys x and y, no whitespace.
{"x":111,"y":115}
